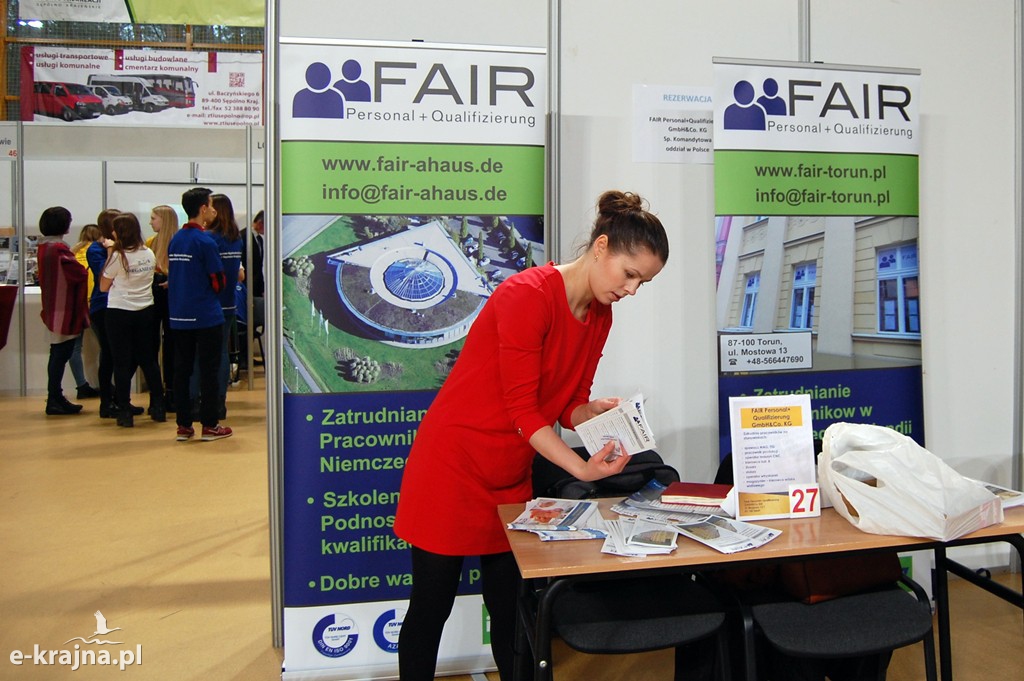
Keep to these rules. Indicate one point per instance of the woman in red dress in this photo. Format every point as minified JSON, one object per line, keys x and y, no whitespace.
{"x":528,"y":361}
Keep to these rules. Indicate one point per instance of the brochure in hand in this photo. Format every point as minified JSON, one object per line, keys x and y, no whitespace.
{"x":626,"y":424}
{"x":545,"y":513}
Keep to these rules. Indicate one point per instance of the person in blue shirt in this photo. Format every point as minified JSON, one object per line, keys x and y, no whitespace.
{"x":96,"y":255}
{"x":224,"y":231}
{"x":195,"y":279}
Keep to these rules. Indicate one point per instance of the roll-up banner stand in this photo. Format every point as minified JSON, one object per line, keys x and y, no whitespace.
{"x":816,"y":204}
{"x":412,"y":183}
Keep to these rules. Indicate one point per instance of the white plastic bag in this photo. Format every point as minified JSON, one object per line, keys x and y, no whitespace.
{"x":885,"y":483}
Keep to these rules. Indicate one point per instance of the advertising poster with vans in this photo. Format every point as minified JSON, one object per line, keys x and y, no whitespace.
{"x":141,"y":87}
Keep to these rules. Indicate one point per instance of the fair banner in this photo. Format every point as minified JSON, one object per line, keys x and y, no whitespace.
{"x":772,"y":453}
{"x":71,"y":86}
{"x":816,"y":240}
{"x":198,"y":12}
{"x":412,"y":184}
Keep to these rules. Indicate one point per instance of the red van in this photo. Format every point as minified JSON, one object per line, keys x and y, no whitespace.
{"x":70,"y":101}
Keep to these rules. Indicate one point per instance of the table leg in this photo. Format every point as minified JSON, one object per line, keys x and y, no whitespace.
{"x":941,"y":587}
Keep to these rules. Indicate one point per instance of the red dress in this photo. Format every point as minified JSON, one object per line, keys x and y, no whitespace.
{"x":526,"y":363}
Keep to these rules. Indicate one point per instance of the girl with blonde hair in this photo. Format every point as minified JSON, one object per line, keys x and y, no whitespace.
{"x":164,"y":221}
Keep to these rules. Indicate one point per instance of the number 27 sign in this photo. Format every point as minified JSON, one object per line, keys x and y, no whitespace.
{"x":804,"y":501}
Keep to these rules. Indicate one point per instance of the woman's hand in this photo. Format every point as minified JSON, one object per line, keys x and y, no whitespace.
{"x":587,"y":411}
{"x":107,"y":243}
{"x":609,"y":460}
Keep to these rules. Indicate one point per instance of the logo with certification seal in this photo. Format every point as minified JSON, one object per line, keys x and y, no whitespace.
{"x":386,"y":630}
{"x":335,"y":635}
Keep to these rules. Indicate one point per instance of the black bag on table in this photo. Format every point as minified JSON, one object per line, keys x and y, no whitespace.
{"x":550,"y":480}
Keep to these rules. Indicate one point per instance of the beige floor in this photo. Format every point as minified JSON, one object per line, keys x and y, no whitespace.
{"x":169,"y":541}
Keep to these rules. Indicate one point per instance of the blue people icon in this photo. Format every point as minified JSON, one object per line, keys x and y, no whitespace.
{"x":745,"y":114}
{"x":770,"y":101}
{"x":319,"y":100}
{"x":354,"y":89}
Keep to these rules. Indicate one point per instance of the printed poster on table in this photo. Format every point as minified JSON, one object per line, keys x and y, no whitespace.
{"x":772,"y":450}
{"x":816,"y":240}
{"x":71,"y":86}
{"x":198,"y":12}
{"x":412,"y":184}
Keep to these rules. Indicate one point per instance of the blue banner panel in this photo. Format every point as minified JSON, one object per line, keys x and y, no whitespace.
{"x":346,"y":457}
{"x":884,"y":397}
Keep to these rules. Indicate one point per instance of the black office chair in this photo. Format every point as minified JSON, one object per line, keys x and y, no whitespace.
{"x":628,"y":614}
{"x":853,"y":630}
{"x":856,"y":630}
{"x":641,"y":614}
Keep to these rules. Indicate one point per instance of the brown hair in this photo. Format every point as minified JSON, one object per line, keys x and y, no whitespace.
{"x":621,"y":217}
{"x":224,"y":224}
{"x":129,"y":236}
{"x":105,"y":220}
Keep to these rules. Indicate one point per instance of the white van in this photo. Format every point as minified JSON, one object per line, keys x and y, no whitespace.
{"x":113,"y":101}
{"x":143,"y":98}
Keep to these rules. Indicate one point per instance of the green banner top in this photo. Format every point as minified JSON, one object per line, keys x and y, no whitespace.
{"x":807,"y":183}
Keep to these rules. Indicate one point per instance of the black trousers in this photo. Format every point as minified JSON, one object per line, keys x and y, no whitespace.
{"x":60,"y":353}
{"x":204,"y":345}
{"x":131,"y":342}
{"x":435,"y":580}
{"x":98,"y":320}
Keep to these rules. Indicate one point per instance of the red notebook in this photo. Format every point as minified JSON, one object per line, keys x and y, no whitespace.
{"x":698,"y":493}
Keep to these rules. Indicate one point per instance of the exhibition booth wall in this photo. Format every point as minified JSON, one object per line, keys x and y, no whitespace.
{"x":665,"y":340}
{"x":128,"y":168}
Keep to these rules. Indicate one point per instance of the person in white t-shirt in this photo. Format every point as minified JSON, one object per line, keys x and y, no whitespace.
{"x":128,"y":279}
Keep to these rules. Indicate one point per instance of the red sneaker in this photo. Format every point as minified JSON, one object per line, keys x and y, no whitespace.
{"x":185,"y":433}
{"x":215,"y":433}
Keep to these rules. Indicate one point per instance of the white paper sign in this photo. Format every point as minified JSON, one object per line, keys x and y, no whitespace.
{"x":764,"y":351}
{"x":672,"y":124}
{"x":772,"y":448}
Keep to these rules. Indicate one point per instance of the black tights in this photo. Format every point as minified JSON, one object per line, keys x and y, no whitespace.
{"x":435,"y":580}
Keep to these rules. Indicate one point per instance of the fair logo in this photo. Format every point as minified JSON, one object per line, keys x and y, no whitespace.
{"x":755,"y":107}
{"x":88,"y":653}
{"x":329,"y":92}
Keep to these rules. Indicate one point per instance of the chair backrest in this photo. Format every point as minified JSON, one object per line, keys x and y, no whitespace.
{"x":551,"y":481}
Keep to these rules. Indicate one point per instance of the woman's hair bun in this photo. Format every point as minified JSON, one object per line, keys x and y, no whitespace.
{"x":614,"y":202}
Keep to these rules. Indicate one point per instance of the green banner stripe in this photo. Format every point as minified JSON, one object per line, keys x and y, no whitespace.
{"x":202,"y":12}
{"x":336,"y":178}
{"x":814,"y":183}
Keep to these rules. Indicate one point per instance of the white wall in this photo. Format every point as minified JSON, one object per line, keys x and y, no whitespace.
{"x":664,"y":339}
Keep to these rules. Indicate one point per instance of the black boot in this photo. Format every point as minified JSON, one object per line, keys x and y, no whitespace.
{"x":85,"y":391}
{"x":108,"y":410}
{"x":59,"y":406}
{"x":157,"y":411}
{"x":125,"y":418}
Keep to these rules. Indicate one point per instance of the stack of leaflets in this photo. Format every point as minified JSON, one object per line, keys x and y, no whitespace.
{"x":648,"y":501}
{"x":727,"y":535}
{"x":626,"y":424}
{"x":694,"y":521}
{"x":1008,"y":497}
{"x":639,"y":537}
{"x":561,"y":519}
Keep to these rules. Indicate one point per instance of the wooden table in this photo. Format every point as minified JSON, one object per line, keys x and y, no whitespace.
{"x":801,"y":538}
